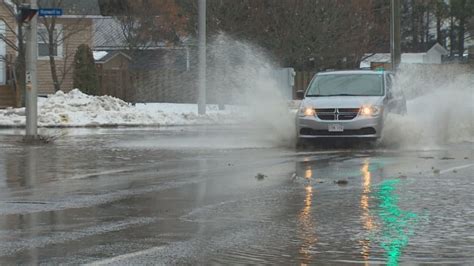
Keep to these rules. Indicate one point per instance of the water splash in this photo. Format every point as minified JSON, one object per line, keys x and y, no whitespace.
{"x":440,"y":103}
{"x":244,"y":74}
{"x":440,"y":99}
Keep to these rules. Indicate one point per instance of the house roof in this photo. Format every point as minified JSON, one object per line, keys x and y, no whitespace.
{"x":162,"y":58}
{"x":380,"y":57}
{"x":439,"y":49}
{"x":104,"y":57}
{"x":107,"y":34}
{"x":167,"y":58}
{"x":407,"y":58}
{"x":73,"y":7}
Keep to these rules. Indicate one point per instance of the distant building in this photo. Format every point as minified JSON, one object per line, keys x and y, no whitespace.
{"x":72,"y":29}
{"x":156,"y":72}
{"x":434,"y":55}
{"x":154,"y":75}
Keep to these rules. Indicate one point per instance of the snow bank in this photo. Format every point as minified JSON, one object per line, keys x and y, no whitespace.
{"x":76,"y":109}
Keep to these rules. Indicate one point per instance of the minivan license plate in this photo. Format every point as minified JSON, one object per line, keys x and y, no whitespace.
{"x":335,"y":128}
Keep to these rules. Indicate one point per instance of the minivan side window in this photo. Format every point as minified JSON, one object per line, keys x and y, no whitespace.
{"x":389,"y":87}
{"x":395,"y":89}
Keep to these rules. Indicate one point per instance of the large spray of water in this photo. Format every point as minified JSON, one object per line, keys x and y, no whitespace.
{"x":440,"y":102}
{"x":440,"y":99}
{"x":243,"y":74}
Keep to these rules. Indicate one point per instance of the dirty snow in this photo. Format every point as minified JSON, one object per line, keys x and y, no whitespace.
{"x":76,"y":109}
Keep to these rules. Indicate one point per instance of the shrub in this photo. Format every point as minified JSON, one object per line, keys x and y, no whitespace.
{"x":85,"y":72}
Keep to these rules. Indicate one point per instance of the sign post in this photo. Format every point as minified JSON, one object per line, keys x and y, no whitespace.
{"x":395,"y":47}
{"x":29,"y":15}
{"x":31,"y":81}
{"x":202,"y":58}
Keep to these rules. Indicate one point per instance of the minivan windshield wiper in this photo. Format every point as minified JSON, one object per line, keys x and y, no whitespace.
{"x":343,"y":94}
{"x":329,"y":95}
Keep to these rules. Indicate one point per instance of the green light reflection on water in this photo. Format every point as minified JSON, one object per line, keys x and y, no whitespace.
{"x":397,"y":224}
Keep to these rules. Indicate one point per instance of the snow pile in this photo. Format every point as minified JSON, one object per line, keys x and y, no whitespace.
{"x":12,"y":117}
{"x":76,"y":109}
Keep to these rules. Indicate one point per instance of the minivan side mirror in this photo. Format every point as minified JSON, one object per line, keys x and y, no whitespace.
{"x":299,"y":94}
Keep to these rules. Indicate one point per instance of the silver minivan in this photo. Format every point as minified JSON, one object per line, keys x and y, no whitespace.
{"x":348,"y":104}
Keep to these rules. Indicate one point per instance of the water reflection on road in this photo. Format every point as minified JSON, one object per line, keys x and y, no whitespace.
{"x":306,"y":223}
{"x":96,"y":198}
{"x":385,"y":222}
{"x":387,"y":228}
{"x":367,"y":219}
{"x":397,"y":224}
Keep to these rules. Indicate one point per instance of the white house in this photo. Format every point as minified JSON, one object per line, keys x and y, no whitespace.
{"x":433,"y":56}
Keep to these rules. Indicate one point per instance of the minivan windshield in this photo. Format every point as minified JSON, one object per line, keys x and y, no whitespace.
{"x":346,"y":85}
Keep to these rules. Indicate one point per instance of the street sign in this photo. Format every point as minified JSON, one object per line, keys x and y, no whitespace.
{"x":50,"y":12}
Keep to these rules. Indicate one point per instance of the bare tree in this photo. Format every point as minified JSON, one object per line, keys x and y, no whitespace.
{"x":55,"y":36}
{"x":441,"y":13}
{"x":305,"y":34}
{"x":417,"y":18}
{"x":147,"y":23}
{"x":18,"y":63}
{"x":461,"y":11}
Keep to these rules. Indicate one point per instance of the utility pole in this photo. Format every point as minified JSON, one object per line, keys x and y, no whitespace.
{"x":395,"y":47}
{"x":31,"y":82}
{"x":202,"y":57}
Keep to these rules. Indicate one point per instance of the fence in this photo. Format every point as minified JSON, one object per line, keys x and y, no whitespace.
{"x":9,"y":93}
{"x":115,"y":83}
{"x":147,"y":85}
{"x":7,"y":96}
{"x":166,"y":85}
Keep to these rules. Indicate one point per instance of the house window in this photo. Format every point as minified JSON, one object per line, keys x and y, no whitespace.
{"x":43,"y":49}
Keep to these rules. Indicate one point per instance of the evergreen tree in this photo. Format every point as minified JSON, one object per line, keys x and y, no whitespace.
{"x":85,"y":72}
{"x":461,"y":11}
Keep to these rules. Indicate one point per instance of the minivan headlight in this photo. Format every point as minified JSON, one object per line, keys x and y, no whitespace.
{"x":370,"y":110}
{"x":307,"y":111}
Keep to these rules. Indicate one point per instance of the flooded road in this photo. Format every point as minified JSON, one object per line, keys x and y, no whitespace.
{"x":220,"y":195}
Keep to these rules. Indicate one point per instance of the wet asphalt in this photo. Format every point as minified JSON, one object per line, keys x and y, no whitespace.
{"x":209,"y":195}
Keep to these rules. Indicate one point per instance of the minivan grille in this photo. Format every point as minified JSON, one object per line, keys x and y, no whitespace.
{"x":337,"y":113}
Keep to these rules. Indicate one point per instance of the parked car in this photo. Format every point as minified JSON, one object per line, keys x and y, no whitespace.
{"x":348,"y":104}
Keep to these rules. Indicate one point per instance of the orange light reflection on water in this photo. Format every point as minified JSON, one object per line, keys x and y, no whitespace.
{"x":367,"y":219}
{"x":306,"y":226}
